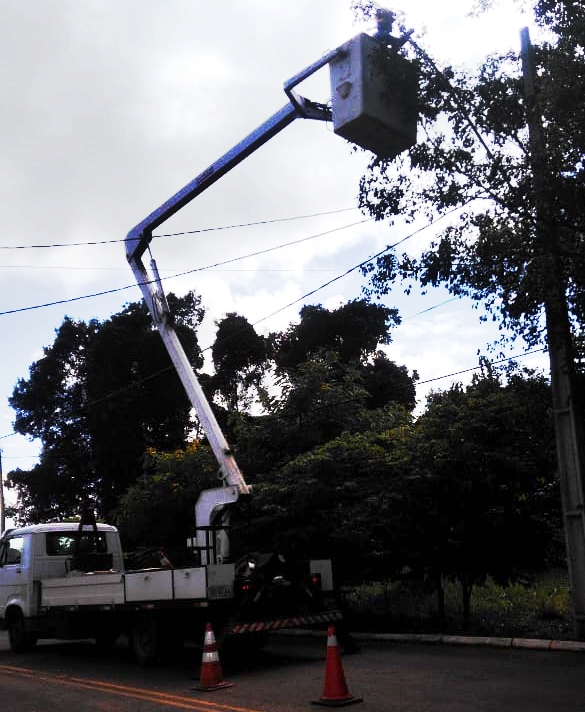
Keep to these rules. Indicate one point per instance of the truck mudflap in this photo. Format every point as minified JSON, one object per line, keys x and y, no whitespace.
{"x":301,"y":621}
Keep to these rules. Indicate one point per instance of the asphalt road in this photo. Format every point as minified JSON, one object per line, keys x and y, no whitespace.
{"x":290,"y":673}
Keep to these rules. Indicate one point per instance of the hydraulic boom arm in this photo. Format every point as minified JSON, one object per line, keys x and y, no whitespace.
{"x":361,"y":113}
{"x":138,"y":240}
{"x":212,"y":502}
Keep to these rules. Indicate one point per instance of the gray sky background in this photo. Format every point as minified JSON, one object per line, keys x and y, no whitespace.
{"x":111,"y":106}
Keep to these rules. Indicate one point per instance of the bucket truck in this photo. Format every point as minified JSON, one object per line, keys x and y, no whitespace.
{"x":48,"y":586}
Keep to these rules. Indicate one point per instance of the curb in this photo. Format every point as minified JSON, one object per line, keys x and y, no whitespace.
{"x":574,"y":646}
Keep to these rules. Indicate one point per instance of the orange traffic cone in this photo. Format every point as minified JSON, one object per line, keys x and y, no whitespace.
{"x":335,"y":692}
{"x":211,"y":677}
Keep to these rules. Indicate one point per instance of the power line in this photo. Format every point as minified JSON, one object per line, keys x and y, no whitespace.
{"x":476,"y":368}
{"x":187,"y":272}
{"x":259,"y":222}
{"x":186,"y":232}
{"x":435,"y":306}
{"x":352,"y":269}
{"x":349,"y":271}
{"x":356,"y":267}
{"x":419,"y":383}
{"x":65,"y":301}
{"x":242,"y":257}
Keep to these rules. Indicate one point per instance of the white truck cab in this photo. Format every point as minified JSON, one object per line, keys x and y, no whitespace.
{"x":32,"y":554}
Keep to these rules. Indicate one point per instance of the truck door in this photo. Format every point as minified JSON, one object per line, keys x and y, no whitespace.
{"x":13,"y":573}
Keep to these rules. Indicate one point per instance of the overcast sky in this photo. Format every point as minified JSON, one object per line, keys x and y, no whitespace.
{"x":111,"y":106}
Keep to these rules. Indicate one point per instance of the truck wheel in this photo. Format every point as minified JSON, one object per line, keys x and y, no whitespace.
{"x":21,"y":641}
{"x":145,"y":640}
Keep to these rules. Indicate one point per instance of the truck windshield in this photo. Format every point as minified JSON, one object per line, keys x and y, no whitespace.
{"x":11,"y":552}
{"x":64,"y":543}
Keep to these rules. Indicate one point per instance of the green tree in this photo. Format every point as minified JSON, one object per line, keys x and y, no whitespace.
{"x":330,"y":378}
{"x":49,"y":407}
{"x":99,"y":396}
{"x":484,"y":496}
{"x":319,"y":457}
{"x":386,"y":383}
{"x":475,"y":156}
{"x":159,"y":509}
{"x":334,"y":501}
{"x":353,"y":331}
{"x":504,"y":147}
{"x":240,"y":360}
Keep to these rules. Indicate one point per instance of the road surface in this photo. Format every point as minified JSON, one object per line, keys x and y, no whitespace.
{"x":290,"y":673}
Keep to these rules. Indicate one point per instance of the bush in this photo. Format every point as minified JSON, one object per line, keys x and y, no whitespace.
{"x":539,"y":609}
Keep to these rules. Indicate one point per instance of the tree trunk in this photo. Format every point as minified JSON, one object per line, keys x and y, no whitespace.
{"x":440,"y":599}
{"x":466,"y":589}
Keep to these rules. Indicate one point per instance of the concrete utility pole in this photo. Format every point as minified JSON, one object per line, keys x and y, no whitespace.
{"x":568,"y":425}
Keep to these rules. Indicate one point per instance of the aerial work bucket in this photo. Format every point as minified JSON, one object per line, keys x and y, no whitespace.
{"x":374,"y":95}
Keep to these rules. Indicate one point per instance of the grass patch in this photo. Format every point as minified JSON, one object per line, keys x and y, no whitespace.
{"x":540,"y":609}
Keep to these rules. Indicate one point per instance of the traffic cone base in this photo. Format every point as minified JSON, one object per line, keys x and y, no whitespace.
{"x":211,"y":677}
{"x":337,"y":703}
{"x":210,"y":688}
{"x":335,"y":692}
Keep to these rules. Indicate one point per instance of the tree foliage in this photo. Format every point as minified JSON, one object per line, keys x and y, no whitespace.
{"x":474,"y":157}
{"x":97,"y":398}
{"x":354,"y":331}
{"x":466,"y":491}
{"x":333,"y":501}
{"x":330,"y":378}
{"x":485,"y":500}
{"x":240,"y":360}
{"x":158,"y":510}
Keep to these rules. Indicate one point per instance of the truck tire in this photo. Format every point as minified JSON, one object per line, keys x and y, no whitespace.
{"x":144,"y":640}
{"x":21,"y":641}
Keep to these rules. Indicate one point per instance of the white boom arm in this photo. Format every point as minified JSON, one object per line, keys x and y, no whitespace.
{"x":368,"y":127}
{"x":212,"y":502}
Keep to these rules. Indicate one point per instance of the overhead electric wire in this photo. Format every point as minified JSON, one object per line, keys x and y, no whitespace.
{"x":358,"y":266}
{"x":386,"y":249}
{"x":435,"y":306}
{"x":191,"y":271}
{"x":454,"y":93}
{"x":476,"y":368}
{"x":186,"y":232}
{"x":418,"y":383}
{"x":259,"y":222}
{"x":352,"y":269}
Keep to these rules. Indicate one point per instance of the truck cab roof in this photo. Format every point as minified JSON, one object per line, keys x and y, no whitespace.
{"x":58,"y":527}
